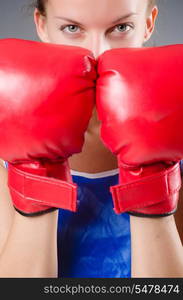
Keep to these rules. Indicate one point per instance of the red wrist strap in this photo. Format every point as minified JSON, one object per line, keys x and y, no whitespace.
{"x":29,"y":189}
{"x":158,"y":192}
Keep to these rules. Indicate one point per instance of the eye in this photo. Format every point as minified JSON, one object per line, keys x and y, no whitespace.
{"x":123,"y":28}
{"x":69,"y":28}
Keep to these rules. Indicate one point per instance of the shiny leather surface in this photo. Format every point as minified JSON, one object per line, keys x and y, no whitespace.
{"x":46,"y":100}
{"x":140,"y":105}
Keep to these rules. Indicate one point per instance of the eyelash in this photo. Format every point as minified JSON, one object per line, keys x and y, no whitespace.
{"x":63,"y":27}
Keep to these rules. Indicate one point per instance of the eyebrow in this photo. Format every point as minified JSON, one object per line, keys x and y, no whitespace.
{"x":124,"y":17}
{"x":114,"y":22}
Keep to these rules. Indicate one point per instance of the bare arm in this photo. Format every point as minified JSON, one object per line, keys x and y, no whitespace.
{"x":28,"y":245}
{"x":31,"y":247}
{"x":179,"y":215}
{"x":156,"y":248}
{"x":6,"y":207}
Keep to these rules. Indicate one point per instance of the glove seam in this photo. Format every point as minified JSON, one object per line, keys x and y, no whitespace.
{"x":147,"y":204}
{"x":149,"y":179}
{"x":46,"y":204}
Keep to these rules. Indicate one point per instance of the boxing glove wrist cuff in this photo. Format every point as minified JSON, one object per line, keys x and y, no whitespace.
{"x":153,"y":196}
{"x":35,"y":194}
{"x":36,"y":214}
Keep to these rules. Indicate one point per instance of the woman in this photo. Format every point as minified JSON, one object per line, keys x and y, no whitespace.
{"x":94,"y":242}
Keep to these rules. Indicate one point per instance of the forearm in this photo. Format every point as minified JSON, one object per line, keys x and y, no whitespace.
{"x":156,"y":248}
{"x":7,"y":209}
{"x":31,"y":247}
{"x":179,"y":215}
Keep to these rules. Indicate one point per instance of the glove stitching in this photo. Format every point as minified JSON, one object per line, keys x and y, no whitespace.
{"x":50,"y":180}
{"x":39,"y":201}
{"x":146,"y":204}
{"x":145,"y":180}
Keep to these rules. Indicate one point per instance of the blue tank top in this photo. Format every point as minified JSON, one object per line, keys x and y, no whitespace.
{"x":94,"y":242}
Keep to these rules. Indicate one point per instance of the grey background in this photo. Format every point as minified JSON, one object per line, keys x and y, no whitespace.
{"x":16,"y":21}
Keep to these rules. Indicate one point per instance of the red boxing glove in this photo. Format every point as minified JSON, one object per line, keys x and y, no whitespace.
{"x":140,"y":105}
{"x":47,"y":95}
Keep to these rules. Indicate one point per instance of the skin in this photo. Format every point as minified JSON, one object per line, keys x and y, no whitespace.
{"x":23,"y":237}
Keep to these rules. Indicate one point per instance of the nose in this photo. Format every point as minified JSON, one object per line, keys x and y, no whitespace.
{"x":97,"y":44}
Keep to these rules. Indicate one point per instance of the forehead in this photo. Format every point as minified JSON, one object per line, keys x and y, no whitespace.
{"x":95,"y":11}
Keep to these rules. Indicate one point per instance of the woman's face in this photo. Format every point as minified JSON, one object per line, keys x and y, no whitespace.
{"x":97,"y":25}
